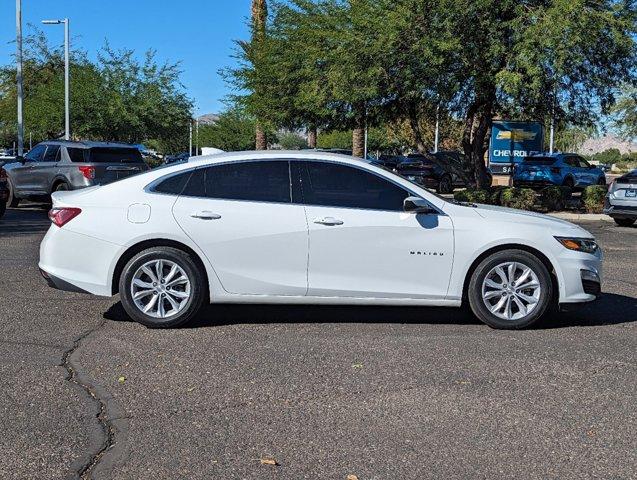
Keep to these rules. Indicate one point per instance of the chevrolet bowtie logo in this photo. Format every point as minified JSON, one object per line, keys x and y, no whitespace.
{"x":516,"y":135}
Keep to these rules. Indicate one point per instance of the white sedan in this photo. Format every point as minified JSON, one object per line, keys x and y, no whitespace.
{"x":311,"y":228}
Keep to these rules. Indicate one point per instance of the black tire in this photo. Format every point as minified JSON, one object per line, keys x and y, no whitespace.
{"x":13,"y":201}
{"x":445,"y":185}
{"x":569,"y":183}
{"x":526,"y":259}
{"x":3,"y":208}
{"x":61,"y":187}
{"x":198,"y":286}
{"x":624,"y":222}
{"x":601,"y":181}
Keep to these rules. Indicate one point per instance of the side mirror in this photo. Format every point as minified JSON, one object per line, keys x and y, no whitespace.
{"x":417,"y":205}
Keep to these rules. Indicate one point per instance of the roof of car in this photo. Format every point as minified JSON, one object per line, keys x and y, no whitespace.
{"x":88,"y":144}
{"x":273,"y":154}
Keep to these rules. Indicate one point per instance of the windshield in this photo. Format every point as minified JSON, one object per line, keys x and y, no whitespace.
{"x":540,"y":160}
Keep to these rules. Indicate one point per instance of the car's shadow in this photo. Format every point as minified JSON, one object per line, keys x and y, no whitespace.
{"x":610,"y":309}
{"x":25,"y":220}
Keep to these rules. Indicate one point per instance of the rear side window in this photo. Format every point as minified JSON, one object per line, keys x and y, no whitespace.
{"x":263,"y":181}
{"x":52,"y":154}
{"x":336,"y":185}
{"x":114,"y":155}
{"x":174,"y":184}
{"x":78,"y":155}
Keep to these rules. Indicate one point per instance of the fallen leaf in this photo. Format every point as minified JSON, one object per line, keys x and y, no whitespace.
{"x":268,"y":461}
{"x":121,"y":379}
{"x":357,"y":365}
{"x":352,"y":477}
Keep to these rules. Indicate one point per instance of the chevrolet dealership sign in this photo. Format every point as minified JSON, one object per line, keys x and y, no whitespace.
{"x":511,"y":142}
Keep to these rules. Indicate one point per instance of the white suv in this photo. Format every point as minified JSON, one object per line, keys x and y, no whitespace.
{"x":293,"y":227}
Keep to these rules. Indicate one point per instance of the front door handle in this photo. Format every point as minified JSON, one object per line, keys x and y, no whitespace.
{"x":328,"y":221}
{"x":205,"y":215}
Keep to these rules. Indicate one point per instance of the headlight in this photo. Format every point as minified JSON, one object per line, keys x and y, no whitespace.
{"x":586,"y":245}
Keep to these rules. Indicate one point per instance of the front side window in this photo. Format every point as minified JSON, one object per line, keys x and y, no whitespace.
{"x":336,"y":185}
{"x":262,"y":181}
{"x":36,"y":153}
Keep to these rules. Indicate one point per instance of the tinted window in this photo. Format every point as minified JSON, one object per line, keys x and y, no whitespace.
{"x":114,"y":155}
{"x":335,"y":185}
{"x":540,"y":160}
{"x":77,"y":154}
{"x":251,"y":181}
{"x":35,"y":155}
{"x":52,"y":153}
{"x":174,"y":184}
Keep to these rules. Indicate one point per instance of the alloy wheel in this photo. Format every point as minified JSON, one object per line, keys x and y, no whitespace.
{"x":160,"y":288}
{"x":511,"y":290}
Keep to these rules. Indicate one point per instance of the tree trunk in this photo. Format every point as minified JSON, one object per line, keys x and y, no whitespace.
{"x":261,"y":142}
{"x":358,"y":142}
{"x":312,"y":135}
{"x":477,"y":125}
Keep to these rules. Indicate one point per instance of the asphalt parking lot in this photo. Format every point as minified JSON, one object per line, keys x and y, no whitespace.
{"x":312,"y":392}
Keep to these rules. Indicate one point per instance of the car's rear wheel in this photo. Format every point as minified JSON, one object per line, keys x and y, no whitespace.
{"x":601,"y":181}
{"x":162,"y":287}
{"x":445,"y":185}
{"x":3,"y":208}
{"x":13,"y":201}
{"x":624,"y":222}
{"x":510,"y":289}
{"x":568,"y":182}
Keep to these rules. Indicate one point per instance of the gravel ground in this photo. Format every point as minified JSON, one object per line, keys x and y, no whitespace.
{"x":325,"y":392}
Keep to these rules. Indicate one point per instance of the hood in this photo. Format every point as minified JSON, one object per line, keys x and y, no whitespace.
{"x":530,"y":218}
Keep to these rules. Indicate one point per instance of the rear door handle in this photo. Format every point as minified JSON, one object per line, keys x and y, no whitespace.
{"x":205,"y":215}
{"x":328,"y":221}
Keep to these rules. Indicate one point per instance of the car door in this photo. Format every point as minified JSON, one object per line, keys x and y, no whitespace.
{"x":44,"y":171}
{"x":579,"y":174}
{"x":363,"y":244}
{"x":589,"y":174}
{"x":22,"y":175}
{"x":242,"y":216}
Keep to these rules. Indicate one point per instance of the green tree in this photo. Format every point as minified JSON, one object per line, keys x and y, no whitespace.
{"x":233,"y":131}
{"x":625,"y":113}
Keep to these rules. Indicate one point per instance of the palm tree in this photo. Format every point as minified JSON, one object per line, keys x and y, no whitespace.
{"x":259,"y":19}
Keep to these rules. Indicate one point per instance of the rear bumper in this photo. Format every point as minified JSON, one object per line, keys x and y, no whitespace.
{"x":535,"y":183}
{"x":620,"y":209}
{"x":76,"y":262}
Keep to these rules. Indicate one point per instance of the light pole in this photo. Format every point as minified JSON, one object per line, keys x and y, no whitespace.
{"x":67,"y":94}
{"x":18,"y":27}
{"x":437,"y":133}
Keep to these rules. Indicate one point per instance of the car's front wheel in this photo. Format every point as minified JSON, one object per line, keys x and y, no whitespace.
{"x":624,"y":222}
{"x":162,"y":287}
{"x":510,"y":289}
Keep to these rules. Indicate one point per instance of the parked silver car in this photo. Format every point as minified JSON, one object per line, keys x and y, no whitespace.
{"x":64,"y":165}
{"x":621,"y":200}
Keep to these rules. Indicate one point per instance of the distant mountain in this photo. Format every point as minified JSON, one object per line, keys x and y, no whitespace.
{"x":601,"y":144}
{"x":208,"y":119}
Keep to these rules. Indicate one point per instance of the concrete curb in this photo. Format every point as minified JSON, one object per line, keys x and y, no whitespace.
{"x":582,"y":217}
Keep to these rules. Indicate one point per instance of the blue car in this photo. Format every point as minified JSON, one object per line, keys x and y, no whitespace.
{"x":561,"y":169}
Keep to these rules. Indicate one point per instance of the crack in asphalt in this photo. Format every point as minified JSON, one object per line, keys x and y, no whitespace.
{"x":84,"y":467}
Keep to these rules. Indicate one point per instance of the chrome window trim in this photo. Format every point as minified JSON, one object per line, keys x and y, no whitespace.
{"x":154,"y":183}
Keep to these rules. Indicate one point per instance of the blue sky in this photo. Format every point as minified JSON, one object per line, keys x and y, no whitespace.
{"x":199,"y":33}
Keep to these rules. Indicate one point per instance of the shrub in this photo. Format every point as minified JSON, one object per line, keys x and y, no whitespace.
{"x":521,"y":198}
{"x":472,"y":196}
{"x":555,"y":198}
{"x":593,"y":198}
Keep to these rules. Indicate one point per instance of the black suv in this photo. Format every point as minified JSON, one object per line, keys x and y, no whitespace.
{"x":423,"y":170}
{"x":64,"y":165}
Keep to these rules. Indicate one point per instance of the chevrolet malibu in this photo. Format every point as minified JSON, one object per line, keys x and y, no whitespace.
{"x":308,"y":228}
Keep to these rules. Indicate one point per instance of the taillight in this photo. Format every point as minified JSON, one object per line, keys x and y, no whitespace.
{"x":62,"y":216}
{"x":555,"y":169}
{"x":88,"y":172}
